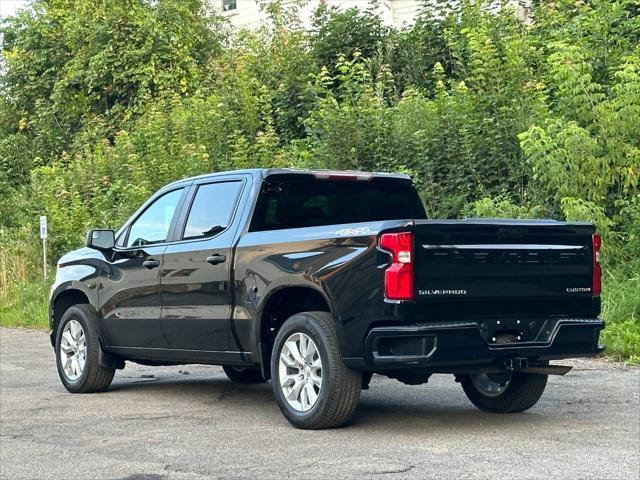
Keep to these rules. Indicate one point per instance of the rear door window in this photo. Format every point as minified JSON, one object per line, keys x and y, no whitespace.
{"x":212,"y":209}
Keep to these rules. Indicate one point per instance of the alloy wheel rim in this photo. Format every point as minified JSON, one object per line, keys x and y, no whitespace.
{"x":488,"y":386}
{"x":300,"y":372}
{"x":73,"y":350}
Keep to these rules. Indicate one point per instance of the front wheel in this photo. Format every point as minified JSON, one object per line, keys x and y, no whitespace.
{"x":504,"y":392}
{"x":313,"y":386}
{"x":78,"y":352}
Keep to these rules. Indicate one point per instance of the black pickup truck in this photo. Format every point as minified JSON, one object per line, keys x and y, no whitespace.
{"x":318,"y":279}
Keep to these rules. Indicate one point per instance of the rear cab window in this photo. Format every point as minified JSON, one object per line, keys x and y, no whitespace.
{"x":301,"y":201}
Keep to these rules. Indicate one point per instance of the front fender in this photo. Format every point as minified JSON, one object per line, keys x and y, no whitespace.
{"x":75,"y":277}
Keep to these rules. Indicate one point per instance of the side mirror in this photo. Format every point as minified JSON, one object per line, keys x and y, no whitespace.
{"x":101,"y":239}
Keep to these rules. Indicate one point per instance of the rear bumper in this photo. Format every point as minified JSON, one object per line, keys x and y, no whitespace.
{"x":446,"y":346}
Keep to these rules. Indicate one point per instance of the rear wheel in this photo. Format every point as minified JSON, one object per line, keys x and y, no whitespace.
{"x":313,"y":386}
{"x":243,"y":375}
{"x":504,"y":392}
{"x":78,"y":352}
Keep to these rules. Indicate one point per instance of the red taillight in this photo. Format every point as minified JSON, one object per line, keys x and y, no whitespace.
{"x":596,"y":287}
{"x":398,"y":277}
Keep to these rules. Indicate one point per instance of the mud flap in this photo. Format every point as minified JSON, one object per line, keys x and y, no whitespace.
{"x":108,"y":360}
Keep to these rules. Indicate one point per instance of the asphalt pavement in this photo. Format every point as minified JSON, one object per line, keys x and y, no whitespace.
{"x":191,"y":422}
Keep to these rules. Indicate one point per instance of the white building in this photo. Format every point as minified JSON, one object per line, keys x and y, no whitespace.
{"x":397,"y":13}
{"x":247,"y":13}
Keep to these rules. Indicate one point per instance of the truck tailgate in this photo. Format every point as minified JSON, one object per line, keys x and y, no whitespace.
{"x":503,"y":267}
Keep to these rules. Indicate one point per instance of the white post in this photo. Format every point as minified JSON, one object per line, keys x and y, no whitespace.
{"x":43,"y":236}
{"x":44,"y":256}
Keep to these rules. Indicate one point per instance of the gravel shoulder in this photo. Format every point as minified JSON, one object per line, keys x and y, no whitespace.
{"x":191,"y":422}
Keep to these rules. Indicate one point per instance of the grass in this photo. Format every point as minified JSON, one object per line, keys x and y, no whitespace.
{"x":621,"y":311}
{"x":23,"y":298}
{"x":24,"y":304}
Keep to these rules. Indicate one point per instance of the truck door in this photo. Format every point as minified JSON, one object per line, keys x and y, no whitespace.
{"x":196,"y":282}
{"x":130,"y":287}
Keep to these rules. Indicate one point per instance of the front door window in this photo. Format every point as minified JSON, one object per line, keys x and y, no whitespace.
{"x":152,"y":226}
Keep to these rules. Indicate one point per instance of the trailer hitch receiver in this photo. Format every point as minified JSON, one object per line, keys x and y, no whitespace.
{"x":516,"y":363}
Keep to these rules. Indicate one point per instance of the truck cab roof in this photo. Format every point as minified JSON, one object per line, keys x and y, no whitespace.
{"x":263,"y":173}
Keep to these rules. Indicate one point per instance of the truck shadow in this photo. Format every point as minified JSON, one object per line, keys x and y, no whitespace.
{"x":197,"y":388}
{"x":437,"y":415}
{"x":443,"y":410}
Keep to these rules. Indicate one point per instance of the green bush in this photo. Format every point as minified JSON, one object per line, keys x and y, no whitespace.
{"x":621,"y":310}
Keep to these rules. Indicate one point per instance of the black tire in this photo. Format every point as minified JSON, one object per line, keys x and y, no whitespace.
{"x":340,"y":391}
{"x":523,"y":392}
{"x":94,"y":377}
{"x":243,"y":375}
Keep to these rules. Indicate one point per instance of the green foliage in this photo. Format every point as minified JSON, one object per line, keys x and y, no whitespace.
{"x":416,"y":51}
{"x":345,"y":32}
{"x":70,"y":63}
{"x":278,"y":62}
{"x":103,"y":102}
{"x":586,"y":154}
{"x":621,"y":309}
{"x":25,"y":304}
{"x":500,"y":206}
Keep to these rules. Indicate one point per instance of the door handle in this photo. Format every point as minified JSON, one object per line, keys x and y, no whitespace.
{"x":216,"y":259}
{"x":151,"y":263}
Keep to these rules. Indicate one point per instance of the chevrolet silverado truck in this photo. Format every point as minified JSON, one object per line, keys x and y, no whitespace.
{"x":316,"y":280}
